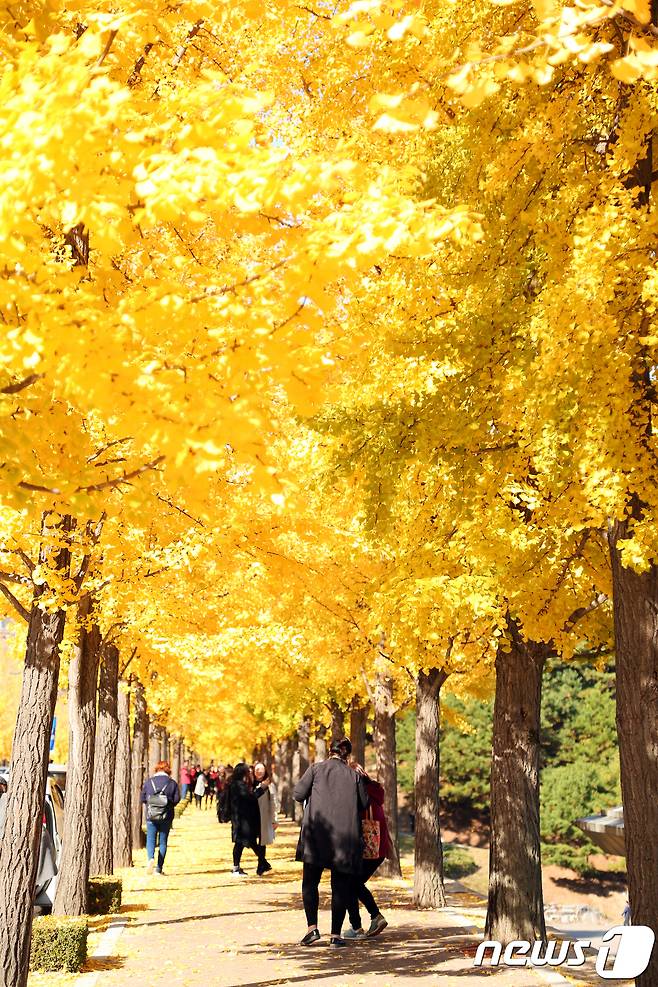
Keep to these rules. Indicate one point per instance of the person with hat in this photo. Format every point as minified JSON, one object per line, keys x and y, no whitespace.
{"x":330,"y":838}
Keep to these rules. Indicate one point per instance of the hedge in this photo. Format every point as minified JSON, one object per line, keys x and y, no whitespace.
{"x":180,"y":808}
{"x":58,"y":944}
{"x":104,"y":895}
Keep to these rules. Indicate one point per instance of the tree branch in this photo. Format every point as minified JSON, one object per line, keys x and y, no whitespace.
{"x":21,"y":384}
{"x":16,"y":603}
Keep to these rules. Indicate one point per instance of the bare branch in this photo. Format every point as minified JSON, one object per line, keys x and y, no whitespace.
{"x":124,"y":478}
{"x":175,"y":507}
{"x":21,"y":384}
{"x":11,"y":577}
{"x":16,"y":603}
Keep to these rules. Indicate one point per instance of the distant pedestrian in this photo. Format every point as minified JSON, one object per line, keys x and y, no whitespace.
{"x":245,"y":820}
{"x":199,"y":787}
{"x":159,"y":794}
{"x":267,"y":804}
{"x":330,"y":836}
{"x":377,"y":847}
{"x":185,"y":779}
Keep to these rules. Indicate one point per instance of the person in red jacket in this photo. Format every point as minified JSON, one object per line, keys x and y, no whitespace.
{"x":362,"y":893}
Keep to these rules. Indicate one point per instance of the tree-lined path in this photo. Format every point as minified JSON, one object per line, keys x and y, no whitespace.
{"x":198,"y":927}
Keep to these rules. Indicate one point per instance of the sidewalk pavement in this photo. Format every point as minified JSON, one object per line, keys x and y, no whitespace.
{"x":197,"y":926}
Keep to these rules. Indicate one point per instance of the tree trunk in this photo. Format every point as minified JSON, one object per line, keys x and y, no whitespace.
{"x":19,"y":847}
{"x":165,"y":747}
{"x":283,"y":765}
{"x":387,"y":773}
{"x":320,"y":743}
{"x":516,"y":908}
{"x":154,"y":735}
{"x":358,"y":722}
{"x":140,"y":740}
{"x":176,"y":748}
{"x":303,"y":761}
{"x":337,"y":722}
{"x":429,"y":891}
{"x":71,"y":897}
{"x":105,"y":754}
{"x":635,"y":599}
{"x":121,"y":822}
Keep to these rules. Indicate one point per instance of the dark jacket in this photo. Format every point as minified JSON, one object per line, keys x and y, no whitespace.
{"x":376,"y":810}
{"x":331,"y":829}
{"x":245,"y":814}
{"x":163,"y":783}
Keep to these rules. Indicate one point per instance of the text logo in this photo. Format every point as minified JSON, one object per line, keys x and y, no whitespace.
{"x":634,"y":947}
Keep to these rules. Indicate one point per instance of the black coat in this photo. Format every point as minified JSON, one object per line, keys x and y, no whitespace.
{"x":245,"y":814}
{"x":331,"y":830}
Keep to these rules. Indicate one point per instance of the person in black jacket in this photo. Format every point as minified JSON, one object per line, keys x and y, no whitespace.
{"x":330,"y":836}
{"x":158,"y":829}
{"x":245,"y":820}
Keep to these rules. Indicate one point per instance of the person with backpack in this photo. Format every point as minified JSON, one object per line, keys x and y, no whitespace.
{"x":159,"y":794}
{"x":330,"y":837}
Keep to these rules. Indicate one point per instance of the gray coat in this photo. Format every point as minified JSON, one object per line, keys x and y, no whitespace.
{"x":331,"y":828}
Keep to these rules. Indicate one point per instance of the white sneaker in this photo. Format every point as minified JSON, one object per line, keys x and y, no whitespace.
{"x":238,"y":872}
{"x":353,"y":934}
{"x":149,"y":867}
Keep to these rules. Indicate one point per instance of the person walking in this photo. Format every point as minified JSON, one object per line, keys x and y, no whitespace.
{"x":185,"y":779}
{"x":267,"y":804}
{"x":245,"y":820}
{"x":199,"y":787}
{"x":159,"y":794}
{"x":330,"y":836}
{"x":378,"y":847}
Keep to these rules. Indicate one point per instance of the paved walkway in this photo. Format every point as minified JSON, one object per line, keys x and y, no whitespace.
{"x":200,"y":927}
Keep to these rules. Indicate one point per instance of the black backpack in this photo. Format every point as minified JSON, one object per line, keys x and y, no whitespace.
{"x":157,"y":805}
{"x":224,"y":805}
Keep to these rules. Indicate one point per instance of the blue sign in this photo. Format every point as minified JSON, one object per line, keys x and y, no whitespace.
{"x":52,"y":734}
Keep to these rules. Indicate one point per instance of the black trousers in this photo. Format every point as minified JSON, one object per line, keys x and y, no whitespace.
{"x":363,"y":894}
{"x":342,"y":888}
{"x":239,"y":847}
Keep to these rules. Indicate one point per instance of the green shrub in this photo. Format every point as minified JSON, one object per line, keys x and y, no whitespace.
{"x":180,"y":808}
{"x":104,"y":895}
{"x":59,"y":944}
{"x":457,"y":862}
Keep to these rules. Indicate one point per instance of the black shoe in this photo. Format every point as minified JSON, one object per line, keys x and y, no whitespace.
{"x":263,"y":868}
{"x":310,"y":938}
{"x":338,"y":943}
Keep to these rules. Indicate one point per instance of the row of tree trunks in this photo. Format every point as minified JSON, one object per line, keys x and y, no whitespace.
{"x":71,"y":897}
{"x":121,"y":816}
{"x":105,"y":756}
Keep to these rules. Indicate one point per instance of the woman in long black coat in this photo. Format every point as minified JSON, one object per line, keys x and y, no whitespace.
{"x":245,"y":820}
{"x":330,"y":836}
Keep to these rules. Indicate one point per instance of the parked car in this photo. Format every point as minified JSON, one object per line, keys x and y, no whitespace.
{"x":50,"y":849}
